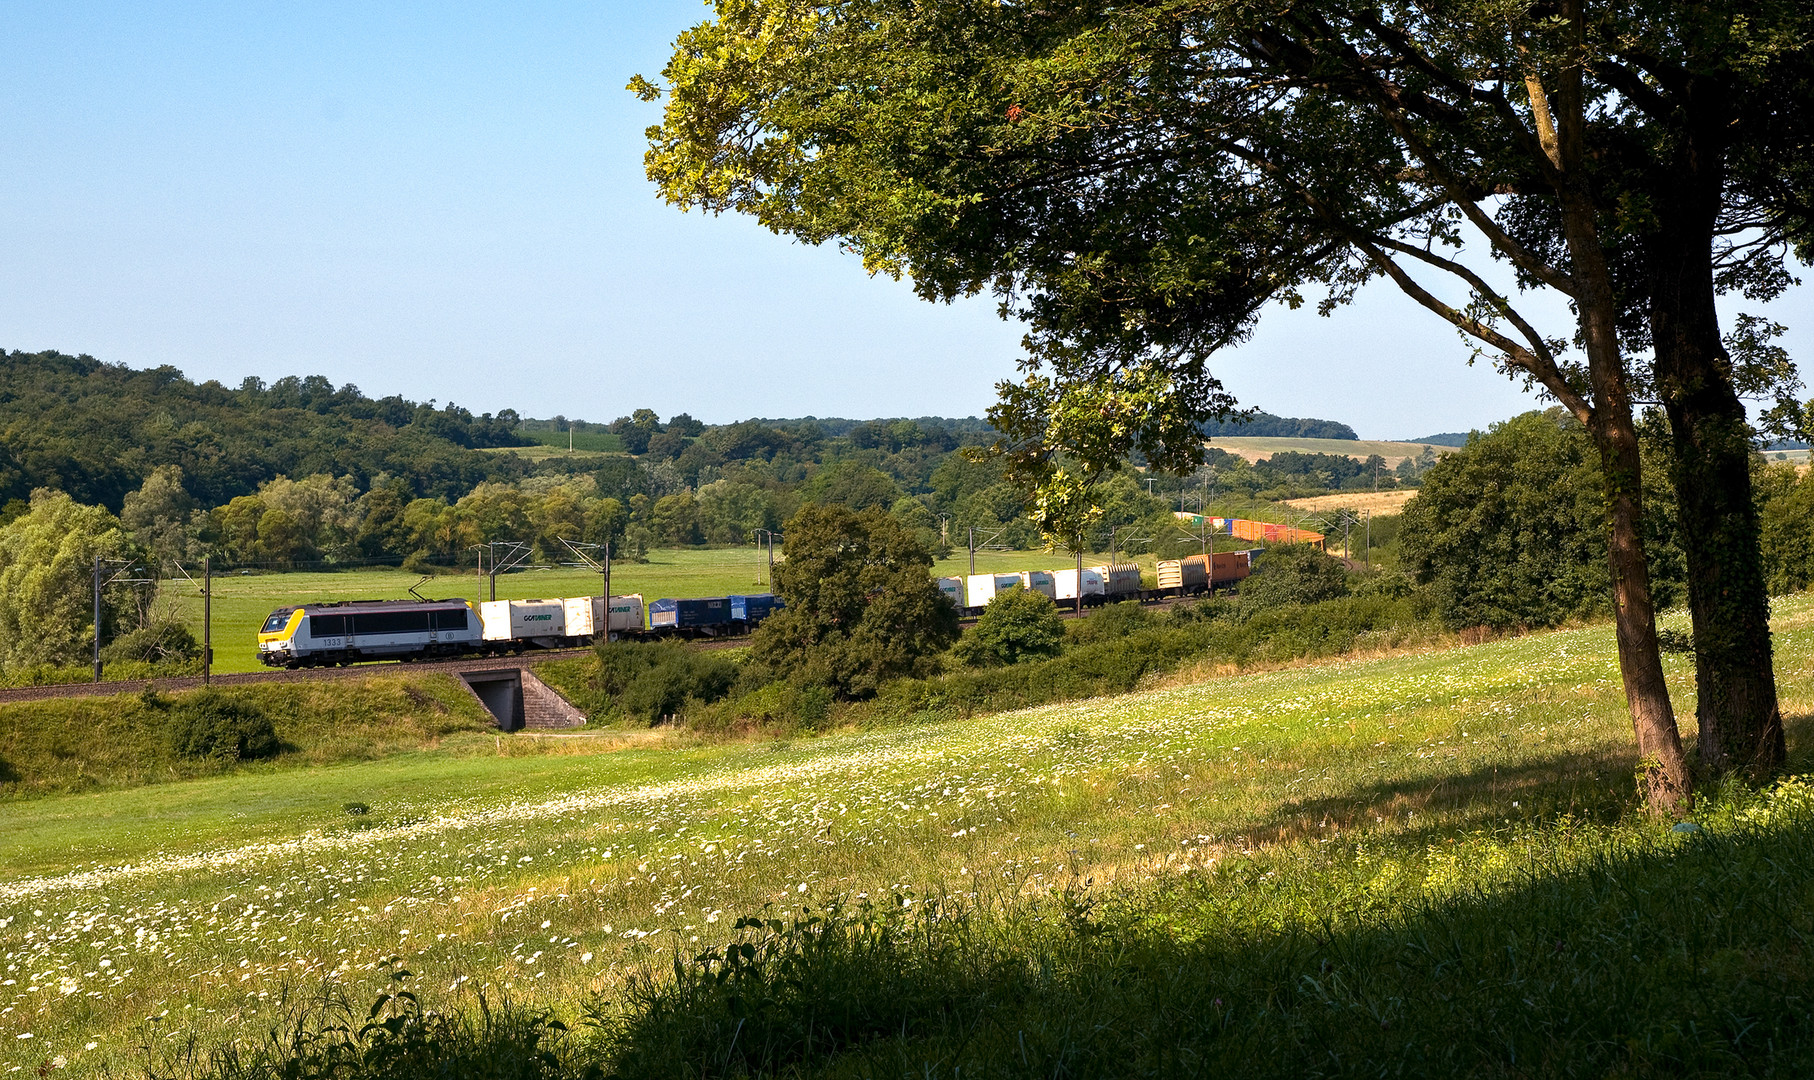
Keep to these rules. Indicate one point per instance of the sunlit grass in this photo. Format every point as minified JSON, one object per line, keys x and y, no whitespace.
{"x":549,"y":877}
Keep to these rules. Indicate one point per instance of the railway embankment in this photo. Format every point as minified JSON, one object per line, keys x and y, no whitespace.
{"x":67,"y":744}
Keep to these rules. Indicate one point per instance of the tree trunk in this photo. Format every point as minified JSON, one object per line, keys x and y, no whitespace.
{"x":1739,"y":717}
{"x":1662,"y":768}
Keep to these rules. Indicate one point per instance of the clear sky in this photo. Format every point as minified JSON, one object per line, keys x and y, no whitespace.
{"x":446,"y":201}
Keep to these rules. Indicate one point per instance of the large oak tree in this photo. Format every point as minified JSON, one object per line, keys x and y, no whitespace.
{"x":1137,"y":181}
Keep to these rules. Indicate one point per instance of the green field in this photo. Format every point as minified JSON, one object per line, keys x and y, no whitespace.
{"x":1255,"y":447}
{"x":138,"y":919}
{"x":594,"y":441}
{"x":541,"y":452}
{"x":241,"y":602}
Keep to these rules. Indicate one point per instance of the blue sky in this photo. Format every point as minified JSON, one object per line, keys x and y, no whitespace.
{"x":446,"y":201}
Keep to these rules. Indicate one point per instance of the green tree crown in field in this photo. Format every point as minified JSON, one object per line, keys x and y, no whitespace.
{"x":862,"y":607}
{"x":46,"y":581}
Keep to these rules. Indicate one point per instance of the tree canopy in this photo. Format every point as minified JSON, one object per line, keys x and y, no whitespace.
{"x":1509,"y":531}
{"x":862,"y":607}
{"x":1138,"y":182}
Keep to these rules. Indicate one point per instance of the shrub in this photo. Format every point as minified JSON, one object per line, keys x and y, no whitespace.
{"x":776,"y":705}
{"x":1110,"y":623}
{"x":1294,"y":574}
{"x":1017,"y":625}
{"x":862,"y":607}
{"x":159,"y":643}
{"x":649,"y":682}
{"x":211,"y":724}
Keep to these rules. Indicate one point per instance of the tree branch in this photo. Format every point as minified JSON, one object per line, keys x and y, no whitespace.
{"x":1515,"y":354}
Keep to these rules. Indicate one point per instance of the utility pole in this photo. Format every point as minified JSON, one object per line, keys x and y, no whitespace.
{"x":125,"y":565}
{"x":972,"y":551}
{"x":607,"y":589}
{"x":1369,"y":548}
{"x":768,"y":544}
{"x":97,"y":618}
{"x":518,"y":553}
{"x":207,"y":618}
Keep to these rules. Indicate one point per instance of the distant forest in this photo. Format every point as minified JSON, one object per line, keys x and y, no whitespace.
{"x":96,"y":430}
{"x":1265,"y":425}
{"x":300,"y":472}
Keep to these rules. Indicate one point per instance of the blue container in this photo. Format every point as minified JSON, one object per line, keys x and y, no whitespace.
{"x":702,"y":614}
{"x":753,"y":609}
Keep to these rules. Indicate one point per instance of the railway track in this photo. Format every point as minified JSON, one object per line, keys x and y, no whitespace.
{"x":380,"y":668}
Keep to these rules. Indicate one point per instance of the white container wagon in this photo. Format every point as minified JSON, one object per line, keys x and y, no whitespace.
{"x":1066,"y":584}
{"x":1039,"y":581}
{"x":953,"y":588}
{"x":981,"y":588}
{"x":586,"y":616}
{"x":525,"y":622}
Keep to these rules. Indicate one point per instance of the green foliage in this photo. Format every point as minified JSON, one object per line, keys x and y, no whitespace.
{"x":646,"y":683}
{"x":95,"y":430}
{"x":1510,"y":530}
{"x":1786,"y":513}
{"x":81,"y":744}
{"x":215,"y":724}
{"x":47,"y":581}
{"x":1294,"y":574}
{"x":1019,"y":624}
{"x":155,"y":643}
{"x":1110,"y":623}
{"x":852,"y":485}
{"x":862,"y":607}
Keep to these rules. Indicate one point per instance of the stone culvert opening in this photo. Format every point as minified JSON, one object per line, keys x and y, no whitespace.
{"x":517,"y":700}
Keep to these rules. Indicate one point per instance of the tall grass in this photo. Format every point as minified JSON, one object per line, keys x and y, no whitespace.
{"x":1532,"y":950}
{"x":1103,"y":853}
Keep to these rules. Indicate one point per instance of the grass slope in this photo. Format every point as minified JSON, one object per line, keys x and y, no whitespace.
{"x":64,"y":745}
{"x":1294,"y":844}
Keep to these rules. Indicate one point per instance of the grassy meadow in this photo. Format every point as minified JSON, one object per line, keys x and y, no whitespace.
{"x":1296,"y":844}
{"x":241,"y":602}
{"x":1255,"y":447}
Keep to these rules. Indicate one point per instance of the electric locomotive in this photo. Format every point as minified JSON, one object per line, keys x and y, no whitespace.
{"x":323,"y":635}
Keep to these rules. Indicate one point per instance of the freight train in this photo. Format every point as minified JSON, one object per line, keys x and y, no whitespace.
{"x":1103,"y":584}
{"x":351,"y":631}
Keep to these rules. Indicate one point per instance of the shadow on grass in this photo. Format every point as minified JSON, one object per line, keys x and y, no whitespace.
{"x":1686,"y":959}
{"x":1590,"y":786}
{"x":1594,"y":787}
{"x":1673,"y":955}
